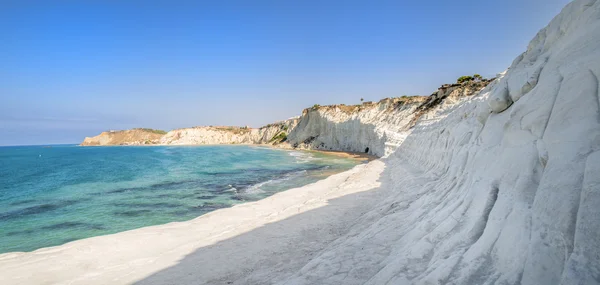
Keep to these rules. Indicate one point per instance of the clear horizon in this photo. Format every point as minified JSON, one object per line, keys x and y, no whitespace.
{"x":75,"y":69}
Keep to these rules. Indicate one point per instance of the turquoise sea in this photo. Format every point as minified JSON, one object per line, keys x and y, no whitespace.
{"x":53,"y":195}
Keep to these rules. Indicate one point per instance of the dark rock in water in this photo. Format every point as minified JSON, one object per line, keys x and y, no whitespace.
{"x":25,"y":232}
{"x":148,"y":205}
{"x":238,"y":198}
{"x":59,"y":226}
{"x":201,"y":209}
{"x":212,"y":206}
{"x":132,"y":213}
{"x":17,"y":203}
{"x":68,"y":240}
{"x":154,"y":187}
{"x":34,"y":210}
{"x":206,"y":197}
{"x":67,"y":225}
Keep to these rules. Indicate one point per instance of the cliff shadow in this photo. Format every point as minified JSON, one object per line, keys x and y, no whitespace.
{"x":275,"y":251}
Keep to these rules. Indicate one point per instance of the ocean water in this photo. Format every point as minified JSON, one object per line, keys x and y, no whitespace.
{"x":53,"y":195}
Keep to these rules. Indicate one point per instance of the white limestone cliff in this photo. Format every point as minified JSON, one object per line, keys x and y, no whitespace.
{"x":374,"y":128}
{"x":195,"y":135}
{"x":500,"y":188}
{"x":227,"y":135}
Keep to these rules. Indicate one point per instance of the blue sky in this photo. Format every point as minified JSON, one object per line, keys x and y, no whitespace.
{"x":72,"y":69}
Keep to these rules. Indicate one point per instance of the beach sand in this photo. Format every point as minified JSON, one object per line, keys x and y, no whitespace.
{"x":352,"y":155}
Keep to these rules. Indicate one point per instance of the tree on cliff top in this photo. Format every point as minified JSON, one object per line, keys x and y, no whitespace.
{"x":464,"y":78}
{"x":467,"y":78}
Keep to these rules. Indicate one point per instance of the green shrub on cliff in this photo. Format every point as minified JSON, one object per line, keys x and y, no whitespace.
{"x":467,"y":78}
{"x":464,"y":78}
{"x":279,"y":138}
{"x":160,"y":132}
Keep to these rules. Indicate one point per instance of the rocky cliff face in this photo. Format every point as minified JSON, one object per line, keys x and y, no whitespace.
{"x":229,"y":135}
{"x":269,"y":134}
{"x":126,"y":137}
{"x":374,"y":128}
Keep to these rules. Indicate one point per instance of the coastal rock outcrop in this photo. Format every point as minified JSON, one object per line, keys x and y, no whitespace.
{"x":229,"y":135}
{"x":125,"y":137}
{"x":269,"y":134}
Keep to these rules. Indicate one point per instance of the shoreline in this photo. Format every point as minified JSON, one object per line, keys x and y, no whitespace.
{"x":141,"y":253}
{"x":364,"y":157}
{"x":347,"y":154}
{"x":361,"y":158}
